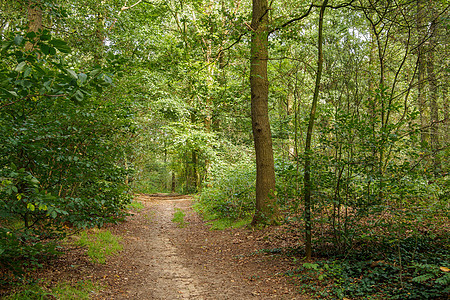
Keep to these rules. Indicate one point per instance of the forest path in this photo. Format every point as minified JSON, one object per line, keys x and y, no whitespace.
{"x":163,"y":261}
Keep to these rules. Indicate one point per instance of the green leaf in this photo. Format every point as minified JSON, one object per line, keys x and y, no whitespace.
{"x":79,"y":96}
{"x":31,"y":206}
{"x":72,"y":74}
{"x":42,"y":206}
{"x":18,"y":40}
{"x":60,"y":45}
{"x":44,"y":48}
{"x":20,"y":66}
{"x":6,"y":46}
{"x":95,"y":72}
{"x":52,"y":51}
{"x":81,"y":78}
{"x":27,"y":72}
{"x":422,"y":278}
{"x":31,"y":35}
{"x":11,"y":93}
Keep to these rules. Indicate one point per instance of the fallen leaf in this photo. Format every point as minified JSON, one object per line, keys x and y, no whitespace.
{"x":444,"y":269}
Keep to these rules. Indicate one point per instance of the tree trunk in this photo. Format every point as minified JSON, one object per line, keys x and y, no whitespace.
{"x":266,"y":206}
{"x":307,"y":177}
{"x":421,"y":70}
{"x":434,"y":116}
{"x":34,"y":12}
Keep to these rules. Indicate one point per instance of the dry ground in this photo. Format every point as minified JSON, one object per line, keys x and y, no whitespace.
{"x":162,"y":261}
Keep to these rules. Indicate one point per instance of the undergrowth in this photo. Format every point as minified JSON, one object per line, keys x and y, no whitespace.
{"x":227,"y":199}
{"x":62,"y":291}
{"x":416,"y":267}
{"x":100,"y":244}
{"x":178,"y":218}
{"x":135,"y":206}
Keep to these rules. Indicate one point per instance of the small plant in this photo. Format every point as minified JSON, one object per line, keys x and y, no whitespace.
{"x":100,"y":245}
{"x":135,"y":206}
{"x":221,"y":224}
{"x":62,"y":291}
{"x":82,"y":290}
{"x":30,"y":292}
{"x":178,"y":217}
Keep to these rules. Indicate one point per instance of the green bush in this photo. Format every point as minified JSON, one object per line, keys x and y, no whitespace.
{"x":60,"y":166}
{"x":230,"y":192}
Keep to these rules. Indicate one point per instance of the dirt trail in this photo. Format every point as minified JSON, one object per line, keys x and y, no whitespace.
{"x":162,"y":261}
{"x":160,"y":270}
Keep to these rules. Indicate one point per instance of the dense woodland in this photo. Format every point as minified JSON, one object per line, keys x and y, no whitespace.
{"x":331,"y":116}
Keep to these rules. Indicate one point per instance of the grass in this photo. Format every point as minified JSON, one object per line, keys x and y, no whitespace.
{"x":135,"y":206}
{"x":62,"y":291}
{"x":221,"y":224}
{"x":100,"y":244}
{"x":178,"y":218}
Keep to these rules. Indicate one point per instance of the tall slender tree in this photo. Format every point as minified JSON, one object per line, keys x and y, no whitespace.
{"x":312,"y":116}
{"x":266,"y":206}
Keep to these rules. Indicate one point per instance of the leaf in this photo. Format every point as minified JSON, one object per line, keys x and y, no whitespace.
{"x":11,"y":93}
{"x":6,"y":46}
{"x":18,"y":40}
{"x":42,"y":206}
{"x":72,"y":74}
{"x":60,"y":45}
{"x":95,"y":72}
{"x":79,"y":96}
{"x":107,"y":80}
{"x":81,"y":78}
{"x":444,"y":269}
{"x":27,"y":72}
{"x":422,"y":278}
{"x":52,"y":51}
{"x":31,"y":35}
{"x":31,"y":206}
{"x":44,"y":48}
{"x":20,"y":66}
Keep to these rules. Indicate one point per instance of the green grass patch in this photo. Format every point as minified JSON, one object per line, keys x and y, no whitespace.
{"x":100,"y":244}
{"x":221,"y":224}
{"x":62,"y":291}
{"x":178,"y":218}
{"x":135,"y":206}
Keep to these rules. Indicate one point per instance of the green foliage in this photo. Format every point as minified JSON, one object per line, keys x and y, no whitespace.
{"x":100,"y":244}
{"x":221,"y":224}
{"x":229,"y":193}
{"x":81,"y":290}
{"x":135,"y":205}
{"x":63,"y":291}
{"x":59,"y":163}
{"x":414,"y":268}
{"x":178,"y":218}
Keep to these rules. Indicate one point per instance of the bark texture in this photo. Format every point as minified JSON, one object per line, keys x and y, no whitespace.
{"x":34,"y":12}
{"x":266,"y":207}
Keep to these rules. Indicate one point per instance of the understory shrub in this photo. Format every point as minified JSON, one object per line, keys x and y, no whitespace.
{"x":229,"y":193}
{"x":61,"y":162}
{"x":416,"y":267}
